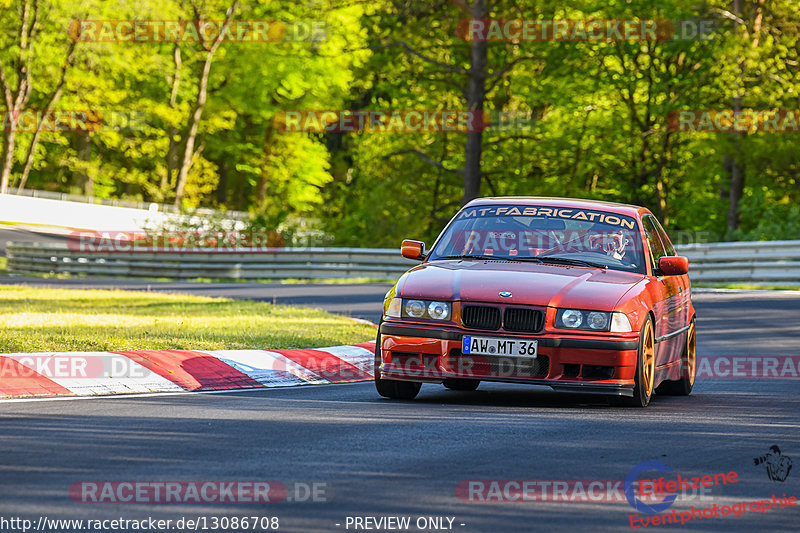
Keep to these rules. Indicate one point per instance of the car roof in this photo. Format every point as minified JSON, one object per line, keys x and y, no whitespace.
{"x":574,"y":203}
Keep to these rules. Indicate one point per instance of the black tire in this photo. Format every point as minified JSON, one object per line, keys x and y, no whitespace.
{"x":683,"y":386}
{"x":642,"y":390}
{"x":391,"y":388}
{"x":397,"y":390}
{"x":462,"y":384}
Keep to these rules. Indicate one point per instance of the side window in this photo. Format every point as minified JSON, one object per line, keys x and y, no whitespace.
{"x":664,"y":238}
{"x":657,"y":250}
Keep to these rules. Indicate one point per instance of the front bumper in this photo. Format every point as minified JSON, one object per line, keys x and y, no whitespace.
{"x":576,"y":363}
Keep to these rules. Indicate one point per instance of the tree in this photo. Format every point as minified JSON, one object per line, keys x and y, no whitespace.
{"x":36,"y":47}
{"x":200,"y":103}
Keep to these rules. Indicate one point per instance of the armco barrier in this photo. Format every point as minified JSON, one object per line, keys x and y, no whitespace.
{"x":304,"y":263}
{"x":757,"y":263}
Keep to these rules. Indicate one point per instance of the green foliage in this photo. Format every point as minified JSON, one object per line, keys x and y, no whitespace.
{"x":597,"y":114}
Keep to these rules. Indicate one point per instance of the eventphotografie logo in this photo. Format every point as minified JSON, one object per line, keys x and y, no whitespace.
{"x":665,"y":489}
{"x":632,"y":479}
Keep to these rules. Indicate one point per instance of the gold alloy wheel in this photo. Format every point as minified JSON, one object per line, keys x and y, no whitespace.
{"x":648,"y":359}
{"x":691,"y":354}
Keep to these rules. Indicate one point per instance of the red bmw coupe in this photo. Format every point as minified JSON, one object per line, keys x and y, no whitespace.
{"x":577,"y":295}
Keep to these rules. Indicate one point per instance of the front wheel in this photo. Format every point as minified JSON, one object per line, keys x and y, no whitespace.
{"x":397,"y":390}
{"x":645,"y":368}
{"x":683,"y":386}
{"x":390,"y":388}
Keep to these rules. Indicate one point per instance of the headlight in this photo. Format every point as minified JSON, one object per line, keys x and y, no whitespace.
{"x":415,"y":308}
{"x":572,"y":318}
{"x":439,"y":310}
{"x":420,"y":309}
{"x":584,"y":320}
{"x":598,"y":321}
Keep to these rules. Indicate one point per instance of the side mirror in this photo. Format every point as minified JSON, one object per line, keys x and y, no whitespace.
{"x":413,"y":249}
{"x":673,"y":266}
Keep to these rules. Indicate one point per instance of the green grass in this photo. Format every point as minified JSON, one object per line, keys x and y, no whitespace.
{"x":747,"y":286}
{"x":281,"y":281}
{"x":43,"y":320}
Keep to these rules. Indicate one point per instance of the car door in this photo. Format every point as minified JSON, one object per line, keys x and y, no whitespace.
{"x":666,"y":306}
{"x":680,"y":318}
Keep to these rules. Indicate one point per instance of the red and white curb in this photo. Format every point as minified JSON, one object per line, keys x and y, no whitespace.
{"x":80,"y":374}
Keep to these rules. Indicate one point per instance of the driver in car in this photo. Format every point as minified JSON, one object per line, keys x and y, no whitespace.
{"x":612,"y":243}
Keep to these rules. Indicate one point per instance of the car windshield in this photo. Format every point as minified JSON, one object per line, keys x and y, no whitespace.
{"x":543,"y":234}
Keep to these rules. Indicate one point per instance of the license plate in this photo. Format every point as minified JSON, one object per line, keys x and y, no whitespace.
{"x":471,"y":345}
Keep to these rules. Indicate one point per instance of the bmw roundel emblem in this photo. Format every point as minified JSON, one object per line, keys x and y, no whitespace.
{"x":506,"y":294}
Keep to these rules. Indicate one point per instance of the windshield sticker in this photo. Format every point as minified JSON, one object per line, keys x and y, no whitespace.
{"x":550,"y":212}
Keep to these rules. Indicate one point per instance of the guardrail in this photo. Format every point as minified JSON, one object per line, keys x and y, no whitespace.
{"x":756,"y":263}
{"x":302,"y":263}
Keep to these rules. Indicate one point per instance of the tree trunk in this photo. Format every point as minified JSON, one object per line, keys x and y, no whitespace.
{"x":15,"y":103}
{"x":263,"y":177}
{"x":84,"y":149}
{"x":191,"y":135}
{"x":8,"y":160}
{"x":476,"y":96}
{"x":167,"y":180}
{"x":197,"y":113}
{"x":54,"y":98}
{"x":222,"y":184}
{"x":737,"y":172}
{"x":736,"y":193}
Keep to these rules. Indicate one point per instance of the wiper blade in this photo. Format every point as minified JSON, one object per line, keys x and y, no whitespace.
{"x":531,"y":259}
{"x":472,"y":256}
{"x":570,"y":261}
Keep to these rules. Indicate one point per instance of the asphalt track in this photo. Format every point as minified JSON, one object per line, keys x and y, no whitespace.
{"x":382,"y":458}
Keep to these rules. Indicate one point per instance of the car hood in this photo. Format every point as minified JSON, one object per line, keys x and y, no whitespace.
{"x":530,"y":284}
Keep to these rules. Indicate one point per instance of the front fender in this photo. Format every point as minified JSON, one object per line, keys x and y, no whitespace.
{"x":637,"y":303}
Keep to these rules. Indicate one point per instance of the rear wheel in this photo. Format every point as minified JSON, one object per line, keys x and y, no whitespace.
{"x":461,"y":384}
{"x":391,"y":388}
{"x":683,"y":386}
{"x":645,"y":368}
